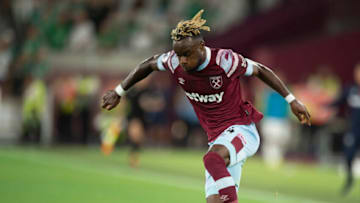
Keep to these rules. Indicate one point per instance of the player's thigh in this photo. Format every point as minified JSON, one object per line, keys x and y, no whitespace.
{"x":222,"y":151}
{"x":241,"y":141}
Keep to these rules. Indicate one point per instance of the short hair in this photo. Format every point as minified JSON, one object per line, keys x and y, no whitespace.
{"x":189,"y":28}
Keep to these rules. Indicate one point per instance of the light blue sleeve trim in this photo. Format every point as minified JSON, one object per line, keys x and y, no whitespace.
{"x":160,"y":64}
{"x":250,"y":67}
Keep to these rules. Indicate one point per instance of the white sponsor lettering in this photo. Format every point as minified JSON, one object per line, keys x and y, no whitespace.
{"x":205,"y":98}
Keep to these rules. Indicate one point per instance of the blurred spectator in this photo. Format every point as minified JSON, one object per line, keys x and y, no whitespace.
{"x":30,"y":59}
{"x":275,"y":128}
{"x":5,"y":52}
{"x":74,"y":107}
{"x":156,"y":104}
{"x":318,"y":91}
{"x":23,"y":9}
{"x":111,"y":125}
{"x":34,"y":101}
{"x":186,"y":129}
{"x":350,"y":96}
{"x":86,"y":89}
{"x":329,"y":81}
{"x":57,"y":26}
{"x":136,"y":121}
{"x":111,"y":32}
{"x":82,"y":35}
{"x":65,"y":97}
{"x":98,"y":11}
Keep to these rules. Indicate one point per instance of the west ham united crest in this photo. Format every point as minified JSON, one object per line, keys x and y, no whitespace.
{"x":216,"y":82}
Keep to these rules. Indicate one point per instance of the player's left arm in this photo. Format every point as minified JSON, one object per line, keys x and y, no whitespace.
{"x":270,"y":78}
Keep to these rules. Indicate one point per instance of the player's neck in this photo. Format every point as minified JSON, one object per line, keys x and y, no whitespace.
{"x":203,"y":55}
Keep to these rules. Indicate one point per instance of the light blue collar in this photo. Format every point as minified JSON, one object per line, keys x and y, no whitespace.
{"x":207,"y":59}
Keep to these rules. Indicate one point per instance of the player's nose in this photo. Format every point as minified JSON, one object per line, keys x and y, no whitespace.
{"x":183,"y":60}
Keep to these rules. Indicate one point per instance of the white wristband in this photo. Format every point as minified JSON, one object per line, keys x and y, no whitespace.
{"x":120,"y":90}
{"x":290,"y":98}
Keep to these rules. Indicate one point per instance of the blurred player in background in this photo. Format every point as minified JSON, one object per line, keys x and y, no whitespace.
{"x":136,"y":122}
{"x":210,"y":79}
{"x":350,"y":96}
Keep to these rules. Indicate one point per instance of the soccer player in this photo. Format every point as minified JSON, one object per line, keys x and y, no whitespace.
{"x":350,"y":96}
{"x":210,"y":79}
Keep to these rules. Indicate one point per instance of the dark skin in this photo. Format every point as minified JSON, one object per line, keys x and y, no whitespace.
{"x":191,"y":53}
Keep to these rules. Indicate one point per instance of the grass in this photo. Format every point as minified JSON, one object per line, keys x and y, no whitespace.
{"x":77,"y":174}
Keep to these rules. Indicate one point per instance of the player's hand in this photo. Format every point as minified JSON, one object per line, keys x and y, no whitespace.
{"x":300,"y":112}
{"x":110,"y":100}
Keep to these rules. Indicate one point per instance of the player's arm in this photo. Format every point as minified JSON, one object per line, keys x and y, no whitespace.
{"x":112,"y":97}
{"x":270,"y":78}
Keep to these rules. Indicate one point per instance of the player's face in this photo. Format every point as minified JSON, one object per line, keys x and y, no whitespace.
{"x":190,"y":51}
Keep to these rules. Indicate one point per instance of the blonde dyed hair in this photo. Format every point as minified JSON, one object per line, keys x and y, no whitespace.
{"x":189,"y":28}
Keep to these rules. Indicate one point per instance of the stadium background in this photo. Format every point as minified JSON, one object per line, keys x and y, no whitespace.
{"x":58,"y":57}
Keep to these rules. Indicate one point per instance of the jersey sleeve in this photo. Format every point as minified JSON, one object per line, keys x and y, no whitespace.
{"x":234,"y":64}
{"x":167,"y":61}
{"x":162,"y":61}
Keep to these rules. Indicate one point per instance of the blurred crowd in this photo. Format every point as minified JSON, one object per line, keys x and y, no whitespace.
{"x":30,"y":29}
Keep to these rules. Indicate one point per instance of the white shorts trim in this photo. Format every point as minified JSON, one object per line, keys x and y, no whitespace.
{"x":224,"y":182}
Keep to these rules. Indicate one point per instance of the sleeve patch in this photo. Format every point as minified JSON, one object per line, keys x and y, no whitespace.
{"x":225,"y":59}
{"x":234,"y":65}
{"x":165,"y":57}
{"x":174,"y":62}
{"x":160,"y":62}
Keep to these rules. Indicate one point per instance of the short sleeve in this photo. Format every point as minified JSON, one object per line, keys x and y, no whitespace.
{"x":232,"y":63}
{"x":162,"y":61}
{"x":250,"y":67}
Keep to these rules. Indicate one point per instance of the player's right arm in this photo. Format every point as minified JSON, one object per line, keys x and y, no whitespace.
{"x":112,"y":97}
{"x":270,"y":78}
{"x":236,"y":65}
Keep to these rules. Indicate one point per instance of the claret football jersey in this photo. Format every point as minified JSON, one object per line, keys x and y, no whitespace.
{"x":214,"y":89}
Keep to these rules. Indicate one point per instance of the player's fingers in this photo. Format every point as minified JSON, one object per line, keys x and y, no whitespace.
{"x":114,"y":105}
{"x":298,"y":115}
{"x":104,"y":104}
{"x":305,"y":119}
{"x":302,"y":118}
{"x":111,"y":106}
{"x":308,"y":122}
{"x":107,"y":105}
{"x":105,"y":96}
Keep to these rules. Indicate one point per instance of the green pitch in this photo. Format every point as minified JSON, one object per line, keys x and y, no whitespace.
{"x":84,"y":175}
